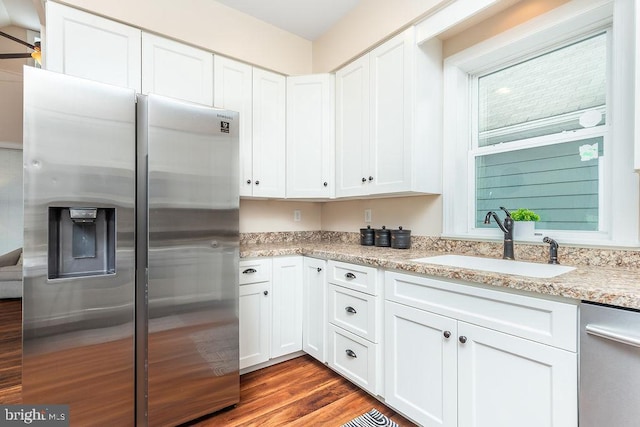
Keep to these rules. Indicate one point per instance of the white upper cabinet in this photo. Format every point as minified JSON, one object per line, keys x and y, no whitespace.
{"x":352,"y":128}
{"x":268,"y":153}
{"x":87,"y":46}
{"x":176,"y":70}
{"x":388,"y":120}
{"x":233,"y":83}
{"x":310,"y":136}
{"x":391,"y":79}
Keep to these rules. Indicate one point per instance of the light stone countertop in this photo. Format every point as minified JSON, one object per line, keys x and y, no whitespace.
{"x":619,"y":286}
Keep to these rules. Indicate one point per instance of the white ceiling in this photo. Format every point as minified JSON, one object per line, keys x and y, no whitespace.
{"x":21,"y":13}
{"x":308,"y":19}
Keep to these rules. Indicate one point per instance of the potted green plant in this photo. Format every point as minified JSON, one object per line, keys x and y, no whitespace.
{"x":524,"y":223}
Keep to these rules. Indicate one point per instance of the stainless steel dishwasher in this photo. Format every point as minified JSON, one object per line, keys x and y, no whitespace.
{"x":609,"y":366}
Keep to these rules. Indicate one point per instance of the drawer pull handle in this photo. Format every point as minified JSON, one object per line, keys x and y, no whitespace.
{"x":447,"y":334}
{"x":351,"y":353}
{"x":250,"y":271}
{"x":350,"y":310}
{"x":350,"y":275}
{"x":462,"y":339}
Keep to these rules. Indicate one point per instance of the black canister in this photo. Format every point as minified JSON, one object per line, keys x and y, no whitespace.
{"x":367,"y":236}
{"x":400,"y":239}
{"x":382,"y":237}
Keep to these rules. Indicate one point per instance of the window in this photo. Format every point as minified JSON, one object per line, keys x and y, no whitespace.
{"x":541,"y":117}
{"x":541,"y":134}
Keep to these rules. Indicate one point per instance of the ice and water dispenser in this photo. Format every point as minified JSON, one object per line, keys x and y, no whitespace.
{"x":82,"y":241}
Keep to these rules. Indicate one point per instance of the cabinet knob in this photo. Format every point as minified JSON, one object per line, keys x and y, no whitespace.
{"x":350,"y":309}
{"x":319,"y":269}
{"x":257,"y":182}
{"x":266,"y":292}
{"x":351,"y":353}
{"x":370,"y":178}
{"x":447,"y":334}
{"x":250,"y":271}
{"x":350,"y":275}
{"x":325,"y":183}
{"x":364,"y":179}
{"x":462,"y":339}
{"x":248,"y":181}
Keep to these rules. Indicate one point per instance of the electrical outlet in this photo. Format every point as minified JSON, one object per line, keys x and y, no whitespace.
{"x":297,"y":215}
{"x":367,"y":215}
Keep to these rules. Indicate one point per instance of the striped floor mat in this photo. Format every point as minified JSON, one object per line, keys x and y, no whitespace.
{"x":372,"y":418}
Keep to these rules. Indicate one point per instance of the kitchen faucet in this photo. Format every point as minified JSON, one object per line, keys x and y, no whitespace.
{"x":507,"y":229}
{"x":553,"y":250}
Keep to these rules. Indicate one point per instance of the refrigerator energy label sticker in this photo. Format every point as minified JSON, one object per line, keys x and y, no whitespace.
{"x":224,"y":127}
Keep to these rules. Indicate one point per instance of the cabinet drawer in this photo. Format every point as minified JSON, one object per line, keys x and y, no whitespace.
{"x":356,"y":277}
{"x":354,"y":311}
{"x":354,"y":357}
{"x":254,"y":271}
{"x":545,"y":321}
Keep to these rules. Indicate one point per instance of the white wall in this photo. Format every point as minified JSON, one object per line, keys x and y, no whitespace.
{"x":11,"y":87}
{"x":212,"y":26}
{"x":420,"y":214}
{"x":369,"y":23}
{"x":260,"y":216}
{"x":11,"y":212}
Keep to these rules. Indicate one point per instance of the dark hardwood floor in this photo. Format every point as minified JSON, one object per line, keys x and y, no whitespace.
{"x":300,"y":392}
{"x":10,"y":351}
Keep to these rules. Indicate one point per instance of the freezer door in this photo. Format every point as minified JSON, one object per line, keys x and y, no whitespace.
{"x":193,"y":260}
{"x":78,"y":304}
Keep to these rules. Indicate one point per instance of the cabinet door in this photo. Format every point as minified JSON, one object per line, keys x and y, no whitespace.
{"x":314,"y":295}
{"x":352,"y":129}
{"x":392,"y":74}
{"x":255,"y":323}
{"x":269,"y":91}
{"x":232,"y":90}
{"x":420,"y":365}
{"x":286,"y":331}
{"x":84,"y":45}
{"x":176,"y":70}
{"x":310,"y":136}
{"x":506,"y":381}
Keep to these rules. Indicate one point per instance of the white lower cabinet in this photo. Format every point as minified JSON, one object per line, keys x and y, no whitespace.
{"x":286,"y":333}
{"x":355,"y":320}
{"x":270,"y":309}
{"x":420,"y":364}
{"x":255,"y":311}
{"x":255,"y":323}
{"x":354,"y":357}
{"x":443,"y":370}
{"x":506,"y":381}
{"x":314,"y":316}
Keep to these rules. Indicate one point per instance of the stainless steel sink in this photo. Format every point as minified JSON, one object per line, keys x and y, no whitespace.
{"x":520,"y":268}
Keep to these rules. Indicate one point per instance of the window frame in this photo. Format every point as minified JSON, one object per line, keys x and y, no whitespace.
{"x":573,"y":21}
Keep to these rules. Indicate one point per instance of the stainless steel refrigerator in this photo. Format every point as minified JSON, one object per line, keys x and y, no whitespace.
{"x":130,"y":307}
